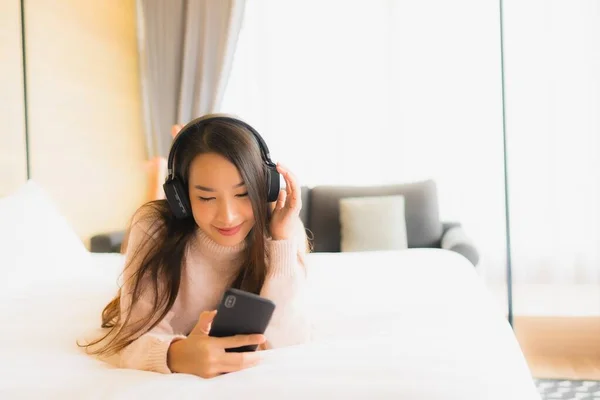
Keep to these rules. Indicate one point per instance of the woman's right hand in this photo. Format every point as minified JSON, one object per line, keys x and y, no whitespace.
{"x":205,"y":356}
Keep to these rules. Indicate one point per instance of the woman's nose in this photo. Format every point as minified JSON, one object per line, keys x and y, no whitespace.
{"x":227,"y":212}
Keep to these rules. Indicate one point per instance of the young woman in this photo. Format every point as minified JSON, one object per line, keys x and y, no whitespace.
{"x":177,"y":268}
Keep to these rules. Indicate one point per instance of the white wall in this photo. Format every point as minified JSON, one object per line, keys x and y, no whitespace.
{"x":87,"y":145}
{"x":85,"y":124}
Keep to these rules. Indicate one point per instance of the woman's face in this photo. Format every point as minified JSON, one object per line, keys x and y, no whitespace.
{"x":219,"y":199}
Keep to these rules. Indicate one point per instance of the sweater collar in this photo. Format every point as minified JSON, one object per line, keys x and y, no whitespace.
{"x":215,"y":251}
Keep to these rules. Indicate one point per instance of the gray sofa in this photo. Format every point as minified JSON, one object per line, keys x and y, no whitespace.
{"x":320,"y":215}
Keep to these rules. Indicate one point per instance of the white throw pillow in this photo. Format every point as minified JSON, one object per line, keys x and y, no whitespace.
{"x":373,"y":223}
{"x":37,"y":245}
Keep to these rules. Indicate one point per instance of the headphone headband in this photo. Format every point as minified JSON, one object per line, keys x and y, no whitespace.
{"x":198,"y":124}
{"x":175,"y":190}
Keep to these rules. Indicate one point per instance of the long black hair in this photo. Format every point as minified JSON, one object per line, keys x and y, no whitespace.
{"x":156,"y":264}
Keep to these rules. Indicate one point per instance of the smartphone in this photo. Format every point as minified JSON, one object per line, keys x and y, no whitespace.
{"x":241,"y":313}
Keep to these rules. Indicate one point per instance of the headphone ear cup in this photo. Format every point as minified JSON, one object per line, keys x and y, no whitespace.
{"x":177,"y":198}
{"x":273,"y":183}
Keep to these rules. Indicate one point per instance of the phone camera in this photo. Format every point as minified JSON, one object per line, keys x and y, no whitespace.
{"x":230,"y":301}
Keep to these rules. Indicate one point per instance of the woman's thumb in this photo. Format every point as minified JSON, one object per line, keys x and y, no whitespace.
{"x":204,"y":322}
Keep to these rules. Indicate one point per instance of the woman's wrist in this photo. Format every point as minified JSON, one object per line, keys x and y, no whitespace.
{"x":283,"y":258}
{"x":174,"y":355}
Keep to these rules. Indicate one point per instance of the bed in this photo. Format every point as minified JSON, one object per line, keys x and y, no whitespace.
{"x":409,"y":324}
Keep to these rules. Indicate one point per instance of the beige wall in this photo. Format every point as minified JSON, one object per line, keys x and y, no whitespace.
{"x":12,"y":119}
{"x":85,"y":116}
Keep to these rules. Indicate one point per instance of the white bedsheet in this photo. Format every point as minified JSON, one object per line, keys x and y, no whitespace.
{"x":415,"y":324}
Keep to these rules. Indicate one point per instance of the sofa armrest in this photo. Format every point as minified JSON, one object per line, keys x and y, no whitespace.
{"x":107,"y":242}
{"x":454,"y":238}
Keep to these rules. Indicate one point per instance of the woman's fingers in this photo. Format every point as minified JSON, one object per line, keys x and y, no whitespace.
{"x":281,"y":200}
{"x":231,"y":362}
{"x":293,"y":190}
{"x":204,"y":323}
{"x":231,"y":342}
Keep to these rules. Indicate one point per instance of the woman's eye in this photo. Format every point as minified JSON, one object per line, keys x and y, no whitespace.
{"x":212,"y":198}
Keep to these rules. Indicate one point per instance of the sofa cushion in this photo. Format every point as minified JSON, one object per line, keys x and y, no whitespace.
{"x":372,"y":223}
{"x":423,"y":225}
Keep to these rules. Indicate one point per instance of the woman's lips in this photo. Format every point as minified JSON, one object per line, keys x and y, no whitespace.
{"x":229,"y":231}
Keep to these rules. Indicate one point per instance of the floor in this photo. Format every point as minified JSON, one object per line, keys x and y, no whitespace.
{"x":558,"y":328}
{"x":560,"y":347}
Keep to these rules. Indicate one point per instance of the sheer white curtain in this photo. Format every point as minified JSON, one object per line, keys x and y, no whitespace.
{"x":185,"y":51}
{"x":553,"y":103}
{"x":386,"y":91}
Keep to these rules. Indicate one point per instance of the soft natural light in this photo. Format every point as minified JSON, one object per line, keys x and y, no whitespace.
{"x":394,"y":92}
{"x":401,"y":121}
{"x":402,"y":91}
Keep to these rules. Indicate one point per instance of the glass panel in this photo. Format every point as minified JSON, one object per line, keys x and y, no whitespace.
{"x":552,"y":54}
{"x":13,"y":164}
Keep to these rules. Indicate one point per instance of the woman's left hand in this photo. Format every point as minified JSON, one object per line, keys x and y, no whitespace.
{"x":287,"y":208}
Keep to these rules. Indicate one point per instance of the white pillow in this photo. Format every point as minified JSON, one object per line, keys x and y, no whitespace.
{"x":373,"y":223}
{"x":37,"y":245}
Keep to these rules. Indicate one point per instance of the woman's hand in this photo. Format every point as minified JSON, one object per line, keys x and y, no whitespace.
{"x":287,"y":208}
{"x":205,"y":356}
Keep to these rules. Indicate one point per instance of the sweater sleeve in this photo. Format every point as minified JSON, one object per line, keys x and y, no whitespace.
{"x":148,"y":351}
{"x":285,"y":285}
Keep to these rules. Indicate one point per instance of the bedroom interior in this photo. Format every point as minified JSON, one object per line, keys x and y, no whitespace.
{"x":431,"y":114}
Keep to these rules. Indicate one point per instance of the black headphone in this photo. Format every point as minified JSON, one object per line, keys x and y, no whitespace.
{"x":175,"y":190}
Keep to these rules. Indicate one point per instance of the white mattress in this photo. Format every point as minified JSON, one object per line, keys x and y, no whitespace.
{"x":415,"y":324}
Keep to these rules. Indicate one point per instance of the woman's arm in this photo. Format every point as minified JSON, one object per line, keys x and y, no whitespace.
{"x":285,"y":285}
{"x":149,"y":350}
